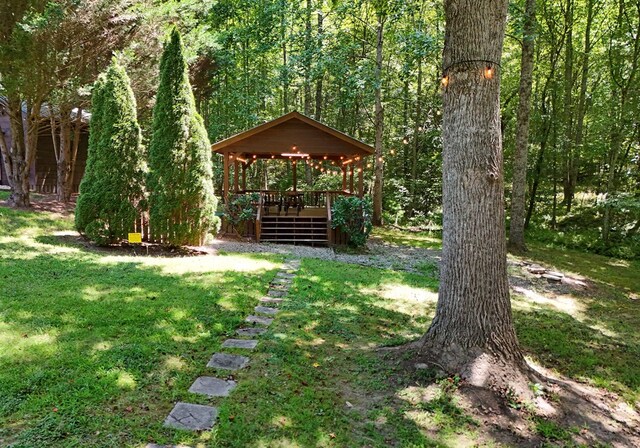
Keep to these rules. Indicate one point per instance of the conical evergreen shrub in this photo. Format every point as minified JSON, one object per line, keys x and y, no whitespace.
{"x":112,"y":189}
{"x":181,"y":201}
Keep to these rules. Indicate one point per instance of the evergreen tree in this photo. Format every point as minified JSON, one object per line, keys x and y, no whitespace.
{"x":112,"y":190}
{"x":182,"y":203}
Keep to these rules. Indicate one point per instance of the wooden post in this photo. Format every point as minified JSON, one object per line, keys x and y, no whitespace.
{"x":236,"y":174}
{"x":344,"y":178}
{"x":351,"y":178}
{"x":244,"y":176}
{"x":225,"y":177}
{"x":361,"y":179}
{"x":295,"y":175}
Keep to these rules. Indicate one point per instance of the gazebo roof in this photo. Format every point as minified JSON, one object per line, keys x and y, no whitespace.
{"x":290,"y":134}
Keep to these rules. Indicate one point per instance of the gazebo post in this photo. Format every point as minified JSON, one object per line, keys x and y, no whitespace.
{"x":360,"y":179}
{"x":344,"y":178}
{"x":351,"y":178}
{"x":236,"y":174}
{"x":295,"y":175}
{"x":225,"y":176}
{"x":244,"y":176}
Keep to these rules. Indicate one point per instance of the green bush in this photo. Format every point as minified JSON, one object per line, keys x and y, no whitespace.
{"x":112,"y":189}
{"x":352,"y":215}
{"x":240,"y":209}
{"x":182,"y":204}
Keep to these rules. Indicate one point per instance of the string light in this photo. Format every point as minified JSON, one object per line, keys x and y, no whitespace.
{"x":255,"y":156}
{"x":445,"y":81}
{"x":405,"y":141}
{"x":380,"y":159}
{"x":325,"y":157}
{"x":488,"y":72}
{"x":393,"y":151}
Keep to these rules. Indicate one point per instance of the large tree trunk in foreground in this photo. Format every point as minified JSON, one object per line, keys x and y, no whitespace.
{"x":516,"y":230}
{"x":472,"y":333}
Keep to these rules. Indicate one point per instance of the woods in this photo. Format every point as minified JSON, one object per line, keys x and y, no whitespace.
{"x":371,"y":69}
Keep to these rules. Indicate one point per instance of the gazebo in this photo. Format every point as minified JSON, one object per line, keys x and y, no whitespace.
{"x":294,"y":216}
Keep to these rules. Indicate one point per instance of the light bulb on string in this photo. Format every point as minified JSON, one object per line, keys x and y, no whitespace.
{"x":488,"y":72}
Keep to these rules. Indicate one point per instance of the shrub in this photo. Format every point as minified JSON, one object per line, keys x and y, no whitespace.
{"x":182,"y":204}
{"x":240,"y":209}
{"x":112,"y":190}
{"x":352,"y":215}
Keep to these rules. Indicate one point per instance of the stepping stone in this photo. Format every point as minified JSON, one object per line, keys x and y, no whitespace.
{"x":249,"y":344}
{"x":259,"y":320}
{"x":213,"y":387}
{"x":276,"y":293}
{"x":279,"y":286}
{"x":253,"y":331}
{"x":281,"y":281}
{"x":285,"y":275}
{"x":270,"y":300}
{"x":266,"y":310}
{"x":194,"y":417}
{"x":228,"y":362}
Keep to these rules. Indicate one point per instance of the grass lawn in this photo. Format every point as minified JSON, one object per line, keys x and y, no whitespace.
{"x":96,"y":346}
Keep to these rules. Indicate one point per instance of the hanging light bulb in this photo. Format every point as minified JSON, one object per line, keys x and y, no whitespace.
{"x":405,"y":141}
{"x":488,"y":72}
{"x":445,"y":81}
{"x":393,"y":151}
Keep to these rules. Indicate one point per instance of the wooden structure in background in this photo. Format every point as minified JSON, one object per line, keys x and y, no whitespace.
{"x":43,"y":174}
{"x":300,"y":140}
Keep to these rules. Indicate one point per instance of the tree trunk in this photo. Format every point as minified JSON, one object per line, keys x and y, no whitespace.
{"x":379,"y":126}
{"x":20,"y":156}
{"x":569,"y":156}
{"x":416,"y":142}
{"x":518,"y":193}
{"x":472,"y":333}
{"x":318,"y":113}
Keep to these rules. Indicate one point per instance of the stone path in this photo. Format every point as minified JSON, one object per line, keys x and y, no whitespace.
{"x":196,"y":417}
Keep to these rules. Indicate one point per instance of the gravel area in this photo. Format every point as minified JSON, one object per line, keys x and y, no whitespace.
{"x":378,"y":254}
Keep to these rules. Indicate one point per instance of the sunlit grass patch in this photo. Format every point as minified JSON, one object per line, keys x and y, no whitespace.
{"x":425,"y":240}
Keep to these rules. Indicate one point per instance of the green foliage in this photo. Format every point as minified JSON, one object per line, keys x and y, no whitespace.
{"x":352,"y":215}
{"x":182,"y":203}
{"x":240,"y":209}
{"x":112,"y":190}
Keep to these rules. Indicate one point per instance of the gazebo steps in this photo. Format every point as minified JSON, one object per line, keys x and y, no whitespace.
{"x":294,"y":230}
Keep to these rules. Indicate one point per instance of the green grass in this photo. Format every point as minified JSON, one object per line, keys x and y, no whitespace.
{"x":424,"y":240}
{"x":95,"y":348}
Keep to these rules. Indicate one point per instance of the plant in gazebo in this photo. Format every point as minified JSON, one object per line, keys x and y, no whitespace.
{"x":241,"y":209}
{"x":353,"y":216}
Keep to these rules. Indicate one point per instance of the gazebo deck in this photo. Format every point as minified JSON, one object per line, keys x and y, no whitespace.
{"x":293,"y":141}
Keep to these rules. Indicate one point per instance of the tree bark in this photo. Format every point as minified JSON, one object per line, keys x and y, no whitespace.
{"x":472,"y":333}
{"x":20,"y":156}
{"x":519,"y":186}
{"x":378,"y":125}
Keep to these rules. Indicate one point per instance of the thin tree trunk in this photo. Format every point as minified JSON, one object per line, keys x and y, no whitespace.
{"x":518,"y":193}
{"x":569,"y":175}
{"x":20,"y":157}
{"x":379,"y":126}
{"x":416,"y":141}
{"x":472,"y":332}
{"x":64,"y":154}
{"x":318,"y":113}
